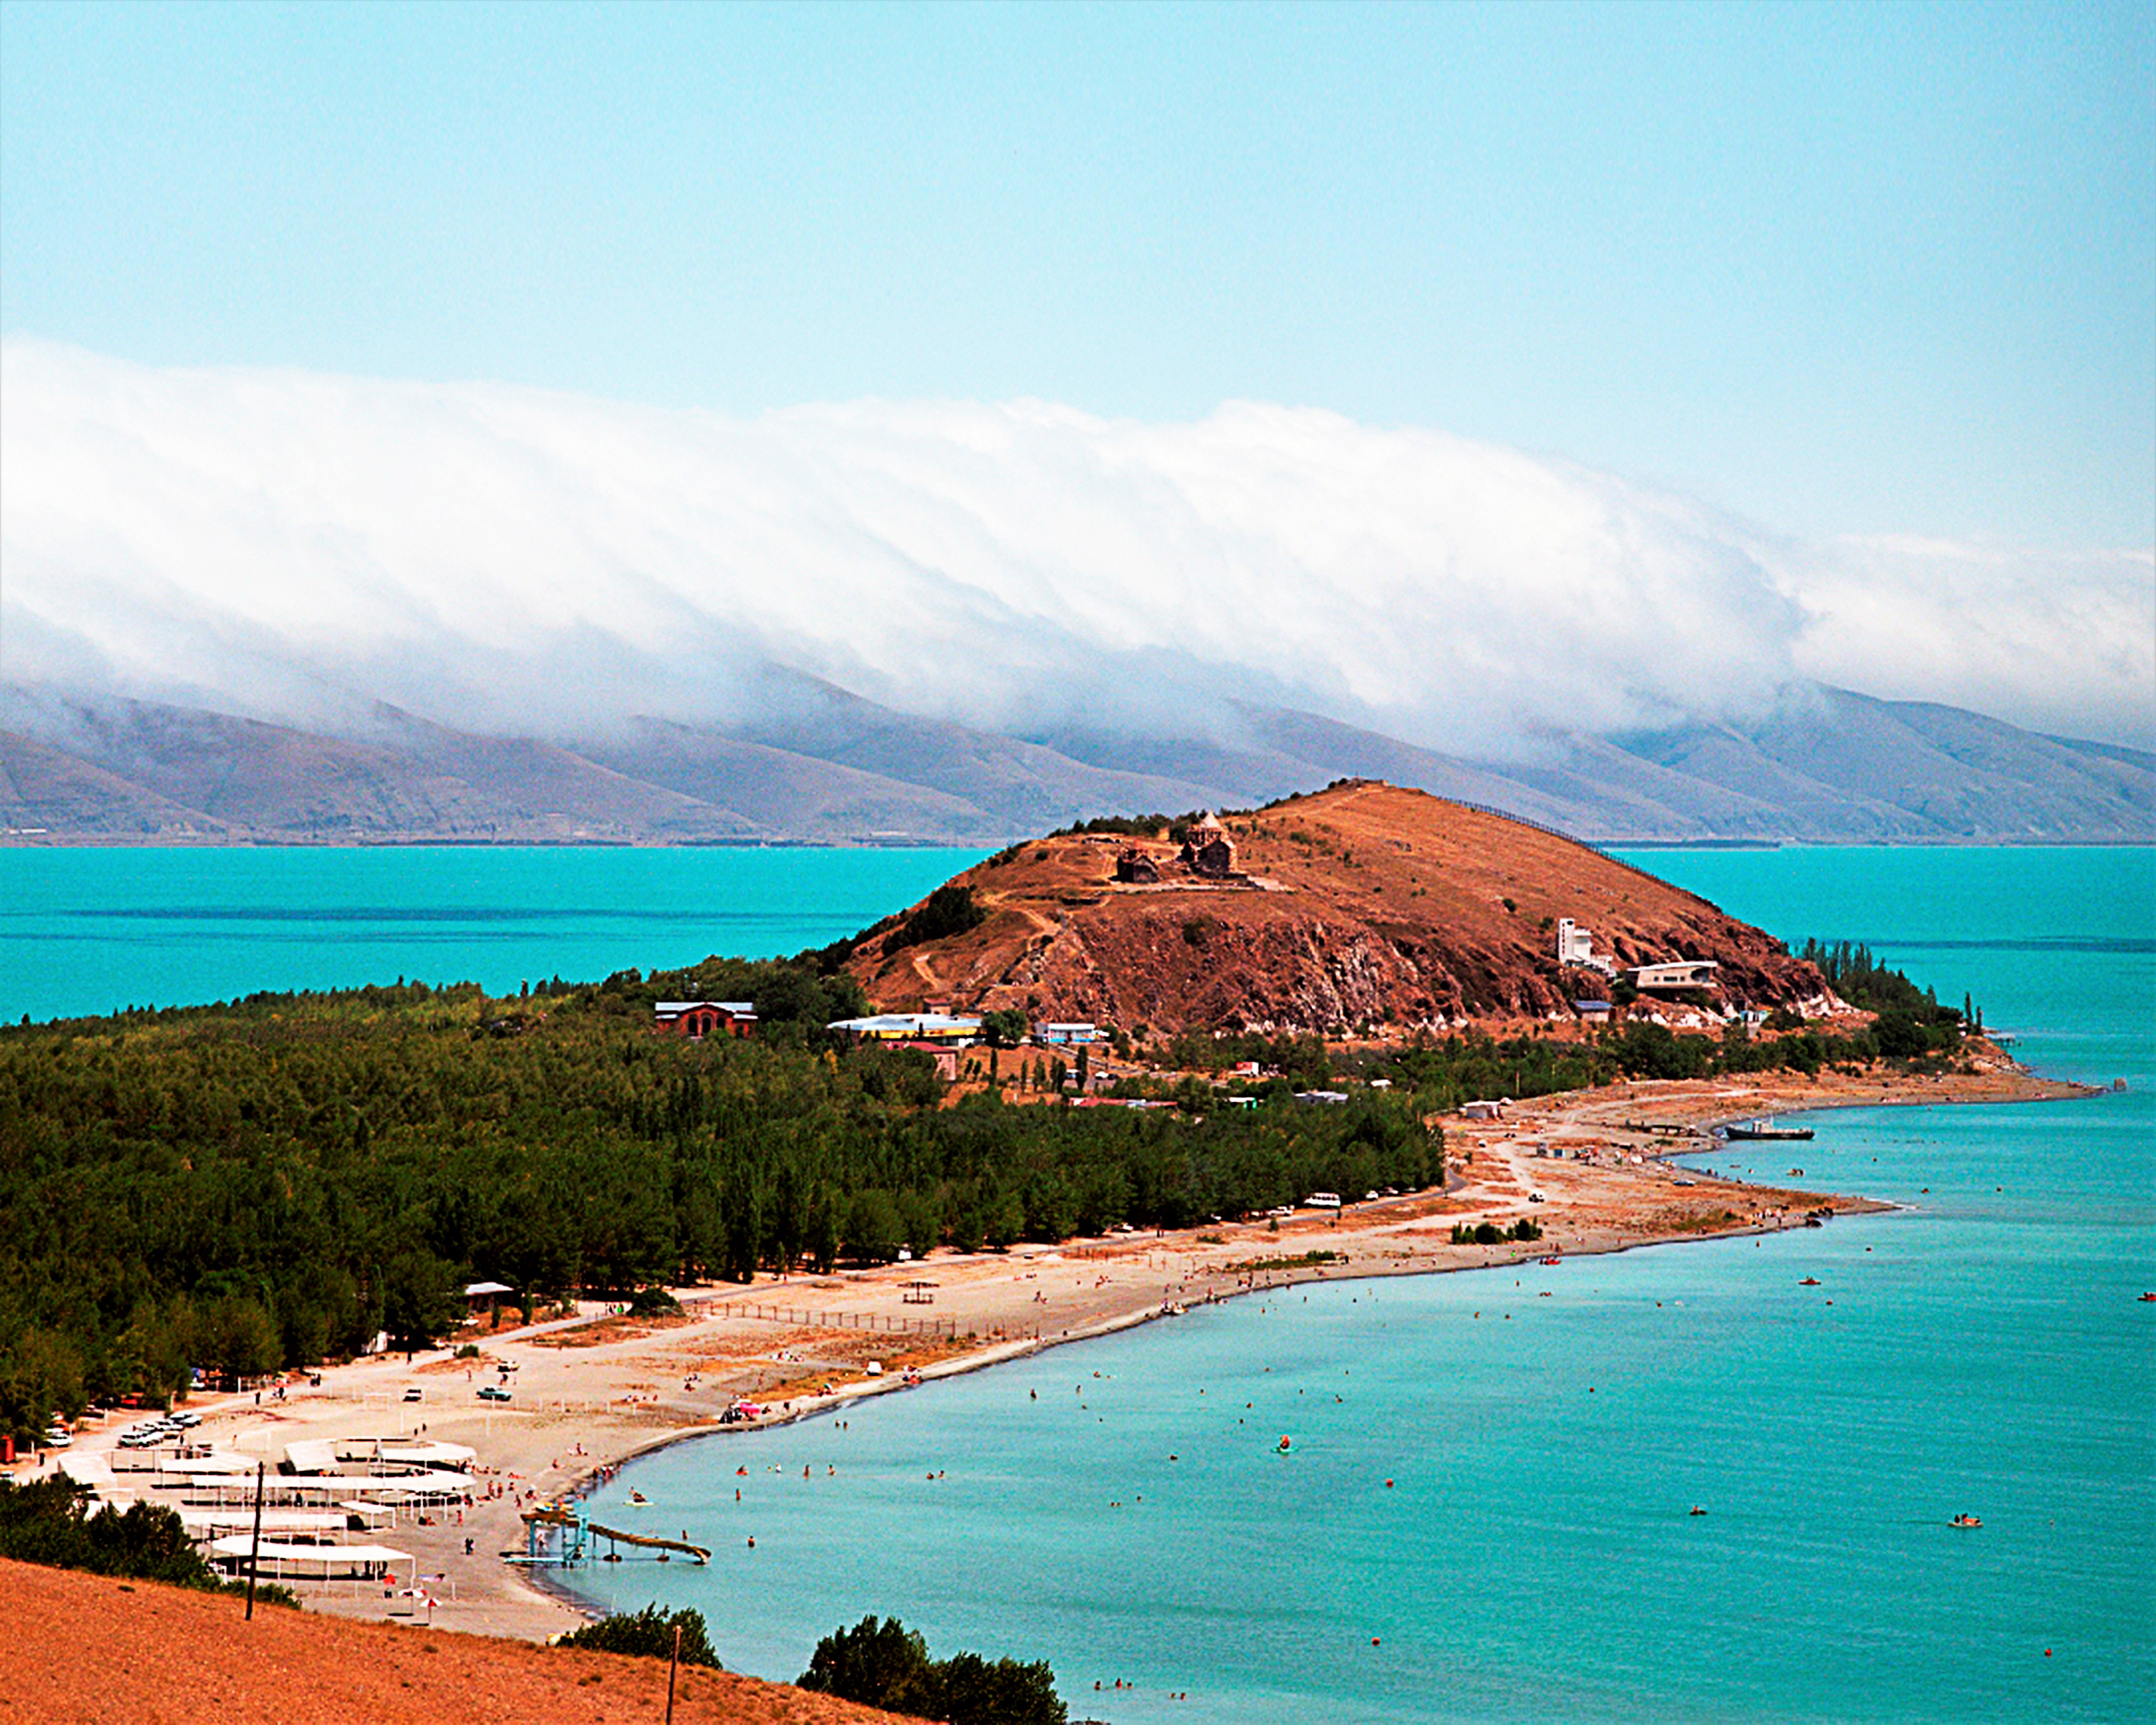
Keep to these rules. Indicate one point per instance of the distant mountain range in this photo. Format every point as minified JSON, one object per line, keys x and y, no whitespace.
{"x":824,"y":766}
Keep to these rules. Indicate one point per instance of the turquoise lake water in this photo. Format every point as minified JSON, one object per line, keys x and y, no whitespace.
{"x":94,"y":930}
{"x":1983,"y":1350}
{"x":1534,"y":1558}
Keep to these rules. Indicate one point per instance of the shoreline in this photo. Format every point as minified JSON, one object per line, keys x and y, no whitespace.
{"x":2030,"y":1087}
{"x":1596,"y":1168}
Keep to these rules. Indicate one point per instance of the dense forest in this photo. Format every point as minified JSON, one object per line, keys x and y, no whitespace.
{"x":272,"y":1182}
{"x":1912,"y":1023}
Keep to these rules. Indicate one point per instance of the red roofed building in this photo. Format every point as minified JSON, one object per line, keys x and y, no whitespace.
{"x":698,"y":1019}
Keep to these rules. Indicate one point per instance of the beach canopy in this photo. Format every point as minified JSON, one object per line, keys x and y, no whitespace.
{"x":425,"y":1452}
{"x":201,"y":1522}
{"x":311,"y":1455}
{"x":278,"y":1557}
{"x":95,"y":1471}
{"x":216,"y":1462}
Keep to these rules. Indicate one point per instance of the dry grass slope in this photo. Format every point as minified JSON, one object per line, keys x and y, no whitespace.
{"x":1363,"y":903}
{"x":87,"y":1649}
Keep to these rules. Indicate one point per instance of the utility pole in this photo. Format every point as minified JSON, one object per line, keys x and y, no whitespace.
{"x":672,"y":1665}
{"x":254,"y":1548}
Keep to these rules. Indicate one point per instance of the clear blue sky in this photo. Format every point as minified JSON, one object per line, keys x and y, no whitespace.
{"x":1842,"y":269}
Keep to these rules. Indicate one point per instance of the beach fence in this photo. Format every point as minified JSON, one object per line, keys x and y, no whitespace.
{"x":881,"y":1323}
{"x":876,"y":1323}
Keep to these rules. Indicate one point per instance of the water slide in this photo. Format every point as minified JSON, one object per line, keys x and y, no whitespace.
{"x":553,"y":1516}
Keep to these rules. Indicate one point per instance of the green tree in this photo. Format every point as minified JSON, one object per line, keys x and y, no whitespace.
{"x":879,"y":1662}
{"x":417,"y":1304}
{"x":946,"y":911}
{"x":882,"y":1663}
{"x":648,"y":1634}
{"x":239,"y":1335}
{"x":874,"y":1230}
{"x":967,"y":1690}
{"x":821,"y":1239}
{"x":1899,"y":1035}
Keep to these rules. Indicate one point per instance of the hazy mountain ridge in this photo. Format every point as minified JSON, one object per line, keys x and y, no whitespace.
{"x":823,"y":765}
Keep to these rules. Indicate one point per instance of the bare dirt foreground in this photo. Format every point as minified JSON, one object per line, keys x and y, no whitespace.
{"x":85,"y":1650}
{"x":590,"y":1391}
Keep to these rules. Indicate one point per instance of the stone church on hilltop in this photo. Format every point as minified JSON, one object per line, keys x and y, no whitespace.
{"x":1209,"y":853}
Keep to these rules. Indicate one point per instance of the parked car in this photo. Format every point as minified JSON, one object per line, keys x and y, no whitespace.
{"x":494,"y":1393}
{"x":184,"y":1419}
{"x":415,"y":1394}
{"x":56,"y":1439}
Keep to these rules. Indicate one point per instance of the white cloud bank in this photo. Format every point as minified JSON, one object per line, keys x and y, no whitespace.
{"x":279,"y":542}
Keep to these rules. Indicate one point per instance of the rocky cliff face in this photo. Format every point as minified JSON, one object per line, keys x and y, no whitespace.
{"x":1362,"y":904}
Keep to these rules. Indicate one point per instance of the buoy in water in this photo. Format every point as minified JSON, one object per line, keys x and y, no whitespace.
{"x":1284,"y":1443}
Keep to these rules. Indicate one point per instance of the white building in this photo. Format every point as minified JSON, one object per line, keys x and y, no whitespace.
{"x":1676,"y":974}
{"x":910,"y":1027}
{"x":1575,"y":945}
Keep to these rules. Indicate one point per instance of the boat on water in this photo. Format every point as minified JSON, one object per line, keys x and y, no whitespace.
{"x":1809,"y":1282}
{"x":1759,"y":1131}
{"x":1966,"y":1521}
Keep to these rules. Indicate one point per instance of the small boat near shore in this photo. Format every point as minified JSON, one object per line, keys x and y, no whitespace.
{"x":1966,"y":1521}
{"x":1760,"y":1131}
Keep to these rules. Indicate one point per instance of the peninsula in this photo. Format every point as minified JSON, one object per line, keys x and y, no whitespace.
{"x":1380,"y":1034}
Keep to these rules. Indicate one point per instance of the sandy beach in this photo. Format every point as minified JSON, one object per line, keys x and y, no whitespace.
{"x":591,"y":1390}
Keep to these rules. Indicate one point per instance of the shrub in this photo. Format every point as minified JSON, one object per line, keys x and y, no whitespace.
{"x":1004,"y":1029}
{"x":648,"y":1634}
{"x":1899,"y":1035}
{"x":882,"y":1663}
{"x":45,"y":1523}
{"x":653,"y":1303}
{"x":878,"y":1663}
{"x":946,"y":911}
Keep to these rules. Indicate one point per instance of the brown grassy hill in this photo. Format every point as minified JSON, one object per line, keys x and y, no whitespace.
{"x":86,"y":1649}
{"x":1359,"y":903}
